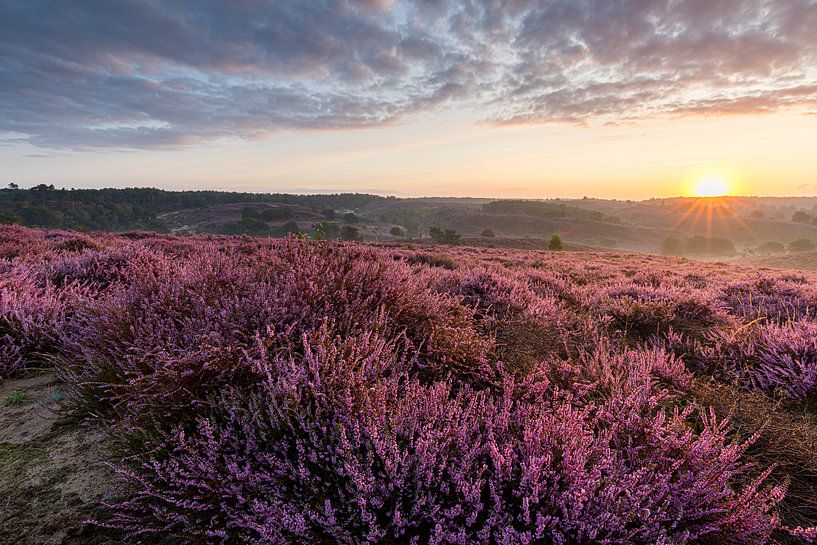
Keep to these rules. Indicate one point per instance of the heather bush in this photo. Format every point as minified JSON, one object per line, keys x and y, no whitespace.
{"x":340,"y":445}
{"x":93,"y":269}
{"x":294,"y":391}
{"x":642,"y":311}
{"x":777,"y":299}
{"x":179,"y":329}
{"x":770,"y":357}
{"x":31,"y":321}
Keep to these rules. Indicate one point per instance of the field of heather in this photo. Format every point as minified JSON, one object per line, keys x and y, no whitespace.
{"x":210,"y":389}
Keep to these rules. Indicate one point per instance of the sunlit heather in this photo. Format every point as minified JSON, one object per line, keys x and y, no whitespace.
{"x":408,"y":272}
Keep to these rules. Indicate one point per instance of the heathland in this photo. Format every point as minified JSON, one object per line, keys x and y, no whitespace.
{"x":228,"y":389}
{"x":743,"y":227}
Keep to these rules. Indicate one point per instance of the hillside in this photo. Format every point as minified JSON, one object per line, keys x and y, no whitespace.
{"x":216,"y":389}
{"x":744,"y":223}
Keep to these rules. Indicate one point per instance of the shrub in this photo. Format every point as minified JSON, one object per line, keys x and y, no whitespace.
{"x":299,"y":391}
{"x":447,"y":236}
{"x":671,"y":246}
{"x":347,"y":232}
{"x":555,"y":243}
{"x":773,"y":358}
{"x":802,"y":245}
{"x":32,"y":320}
{"x":340,"y":445}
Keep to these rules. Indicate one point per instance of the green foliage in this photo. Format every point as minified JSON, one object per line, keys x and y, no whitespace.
{"x":350,"y":217}
{"x":141,"y":208}
{"x":348,"y":232}
{"x":546,"y":210}
{"x":802,"y":245}
{"x":16,"y":398}
{"x":249,"y":212}
{"x":488,"y":233}
{"x":671,"y":246}
{"x":397,"y":232}
{"x":289,"y":228}
{"x":327,"y":230}
{"x":447,"y":236}
{"x":246,"y":226}
{"x":555,"y":243}
{"x":699,"y":245}
{"x":771,"y":247}
{"x":276,"y":214}
{"x":10,"y":219}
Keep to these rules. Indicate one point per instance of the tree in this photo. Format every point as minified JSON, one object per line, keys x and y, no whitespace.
{"x":758,"y":214}
{"x":247,"y":226}
{"x":350,"y":217}
{"x":555,"y":243}
{"x":12,"y":185}
{"x":771,"y":247}
{"x":277,"y":213}
{"x":397,"y":232}
{"x":447,"y":236}
{"x":289,"y":228}
{"x":412,"y":229}
{"x":10,"y":219}
{"x":329,"y":214}
{"x":802,"y":217}
{"x":347,"y":232}
{"x":802,"y":245}
{"x":488,"y":233}
{"x":671,"y":246}
{"x":320,"y":233}
{"x":709,"y":246}
{"x":249,"y":212}
{"x":325,"y":231}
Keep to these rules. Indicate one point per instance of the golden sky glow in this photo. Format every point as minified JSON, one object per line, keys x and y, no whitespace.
{"x":769,"y":154}
{"x":561,"y":98}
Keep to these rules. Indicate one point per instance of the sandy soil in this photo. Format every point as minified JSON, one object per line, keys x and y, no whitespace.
{"x":51,"y":471}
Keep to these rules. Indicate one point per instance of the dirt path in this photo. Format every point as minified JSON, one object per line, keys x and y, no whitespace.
{"x":51,"y":471}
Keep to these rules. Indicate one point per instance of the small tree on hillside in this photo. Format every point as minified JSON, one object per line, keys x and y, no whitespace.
{"x":555,"y":243}
{"x":802,"y":245}
{"x":447,"y":236}
{"x":771,"y":247}
{"x":488,"y":233}
{"x":397,"y":232}
{"x":347,"y":232}
{"x":671,"y":246}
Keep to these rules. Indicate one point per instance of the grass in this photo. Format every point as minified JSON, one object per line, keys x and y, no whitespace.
{"x":17,"y":398}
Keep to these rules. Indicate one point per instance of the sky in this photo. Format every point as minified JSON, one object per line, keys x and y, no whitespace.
{"x":517,"y":98}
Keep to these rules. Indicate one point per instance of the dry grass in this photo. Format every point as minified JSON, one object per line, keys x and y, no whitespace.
{"x":788,"y":441}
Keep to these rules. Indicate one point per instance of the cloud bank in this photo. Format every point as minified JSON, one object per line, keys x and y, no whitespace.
{"x":154,"y":73}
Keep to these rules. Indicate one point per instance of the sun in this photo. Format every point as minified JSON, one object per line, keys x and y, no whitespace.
{"x":711,"y":186}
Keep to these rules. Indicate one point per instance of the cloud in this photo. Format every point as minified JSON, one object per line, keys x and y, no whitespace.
{"x":155,"y":73}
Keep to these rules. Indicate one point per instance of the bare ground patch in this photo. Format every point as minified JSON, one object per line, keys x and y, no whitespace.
{"x":52,"y":474}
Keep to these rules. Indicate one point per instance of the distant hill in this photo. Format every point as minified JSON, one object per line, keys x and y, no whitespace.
{"x":643,"y":226}
{"x":139,"y":208}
